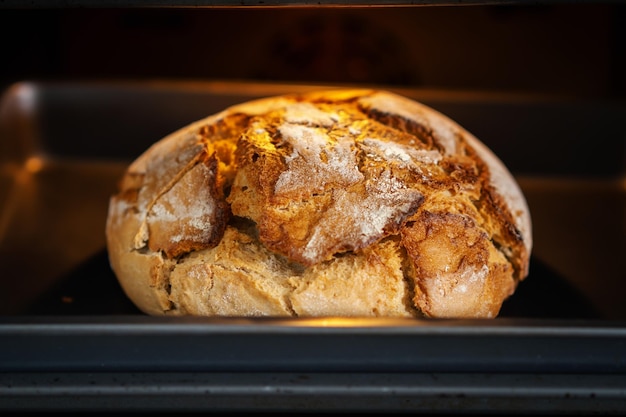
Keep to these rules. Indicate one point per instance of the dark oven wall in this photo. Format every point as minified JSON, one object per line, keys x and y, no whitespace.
{"x":557,"y":48}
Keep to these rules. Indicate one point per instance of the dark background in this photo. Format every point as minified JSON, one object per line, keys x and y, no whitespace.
{"x":572,"y":49}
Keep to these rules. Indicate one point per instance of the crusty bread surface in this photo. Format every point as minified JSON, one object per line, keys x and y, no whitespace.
{"x":330,"y":203}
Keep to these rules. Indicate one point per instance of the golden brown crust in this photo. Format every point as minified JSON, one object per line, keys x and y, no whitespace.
{"x":457,"y":271}
{"x":345,"y":202}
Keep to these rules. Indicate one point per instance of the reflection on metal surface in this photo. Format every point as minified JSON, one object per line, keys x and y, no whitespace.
{"x":345,"y":322}
{"x":34,"y":164}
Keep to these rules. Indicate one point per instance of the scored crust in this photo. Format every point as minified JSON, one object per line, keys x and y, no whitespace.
{"x":332,"y":203}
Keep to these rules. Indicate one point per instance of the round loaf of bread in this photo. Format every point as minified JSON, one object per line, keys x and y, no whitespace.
{"x":331,"y":203}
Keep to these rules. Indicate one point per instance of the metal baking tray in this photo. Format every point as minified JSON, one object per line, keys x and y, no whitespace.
{"x":71,"y":340}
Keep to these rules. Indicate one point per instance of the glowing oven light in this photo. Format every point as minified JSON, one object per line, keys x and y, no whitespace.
{"x":34,"y":164}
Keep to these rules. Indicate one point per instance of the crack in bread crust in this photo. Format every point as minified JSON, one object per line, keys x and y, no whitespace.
{"x":285,"y":205}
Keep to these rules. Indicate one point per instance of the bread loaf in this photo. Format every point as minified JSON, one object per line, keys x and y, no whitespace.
{"x":330,"y":203}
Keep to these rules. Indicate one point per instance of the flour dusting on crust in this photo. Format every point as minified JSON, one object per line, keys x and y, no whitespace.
{"x":340,"y":202}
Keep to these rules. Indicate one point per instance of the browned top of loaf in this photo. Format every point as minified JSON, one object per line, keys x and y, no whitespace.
{"x":325,"y":173}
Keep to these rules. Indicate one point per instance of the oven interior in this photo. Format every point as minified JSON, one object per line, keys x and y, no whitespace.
{"x":86,"y":89}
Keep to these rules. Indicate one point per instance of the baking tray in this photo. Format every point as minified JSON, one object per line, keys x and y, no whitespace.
{"x":72,"y":340}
